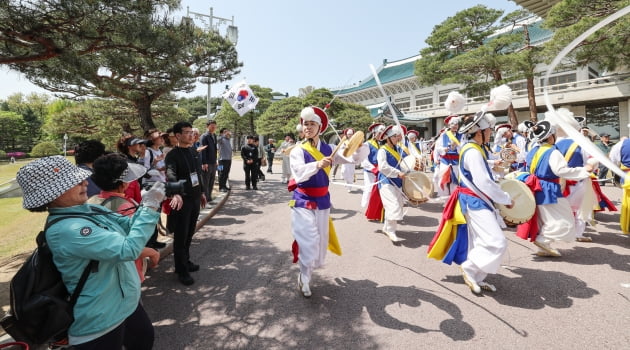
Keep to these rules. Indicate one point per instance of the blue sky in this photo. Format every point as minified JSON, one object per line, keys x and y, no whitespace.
{"x":290,"y":44}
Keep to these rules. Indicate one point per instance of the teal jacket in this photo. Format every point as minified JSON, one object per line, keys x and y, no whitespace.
{"x":111,"y":294}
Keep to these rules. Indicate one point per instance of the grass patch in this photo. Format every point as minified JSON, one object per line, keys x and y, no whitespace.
{"x":9,"y":170}
{"x":19,"y":227}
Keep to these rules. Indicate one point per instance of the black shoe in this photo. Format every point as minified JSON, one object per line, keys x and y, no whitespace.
{"x":269,"y":172}
{"x":262,"y":178}
{"x":248,"y":188}
{"x":156,"y":245}
{"x":255,"y":188}
{"x":192,"y":267}
{"x":185,"y":278}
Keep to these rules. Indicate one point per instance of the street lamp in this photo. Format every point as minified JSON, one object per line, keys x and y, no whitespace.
{"x":231,"y":35}
{"x":65,"y":144}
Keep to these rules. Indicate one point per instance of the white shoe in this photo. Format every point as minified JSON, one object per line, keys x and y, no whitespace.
{"x":303,"y":288}
{"x":546,"y":250}
{"x":474,"y":287}
{"x":392,"y":236}
{"x":487,"y":286}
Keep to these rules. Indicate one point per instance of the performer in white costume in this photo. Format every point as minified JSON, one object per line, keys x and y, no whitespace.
{"x":391,"y":176}
{"x":554,"y":217}
{"x":347,"y":169}
{"x":575,"y":156}
{"x":310,"y":206}
{"x":370,"y":164}
{"x":486,"y":240}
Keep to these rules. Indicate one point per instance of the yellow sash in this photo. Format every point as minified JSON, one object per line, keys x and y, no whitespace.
{"x":403,"y":147}
{"x":392,"y":151}
{"x":333,"y":242}
{"x":452,"y":137}
{"x":570,"y":151}
{"x":315,"y":153}
{"x":373,"y":143}
{"x":539,"y":153}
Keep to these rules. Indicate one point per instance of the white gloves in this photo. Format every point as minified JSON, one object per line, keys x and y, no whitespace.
{"x":153,"y":197}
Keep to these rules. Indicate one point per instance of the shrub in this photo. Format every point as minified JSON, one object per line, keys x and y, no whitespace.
{"x":3,"y":154}
{"x":45,"y":149}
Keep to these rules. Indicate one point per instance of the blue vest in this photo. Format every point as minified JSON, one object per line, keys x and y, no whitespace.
{"x":396,"y":181}
{"x":625,"y":153}
{"x":550,"y":190}
{"x":467,"y":201}
{"x":447,"y":141}
{"x":320,"y":179}
{"x":372,"y":155}
{"x":576,"y":159}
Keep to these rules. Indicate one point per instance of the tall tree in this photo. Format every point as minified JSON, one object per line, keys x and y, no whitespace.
{"x":153,"y":56}
{"x":609,"y":47}
{"x":38,"y":30}
{"x":464,"y":49}
{"x":280,"y":118}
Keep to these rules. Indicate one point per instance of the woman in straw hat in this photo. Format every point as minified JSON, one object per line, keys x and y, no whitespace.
{"x":107,"y":314}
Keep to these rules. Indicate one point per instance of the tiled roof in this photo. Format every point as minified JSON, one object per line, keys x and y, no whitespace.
{"x":404,"y":69}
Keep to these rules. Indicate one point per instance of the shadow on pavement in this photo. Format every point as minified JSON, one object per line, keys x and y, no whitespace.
{"x":245,"y":296}
{"x":535,"y":289}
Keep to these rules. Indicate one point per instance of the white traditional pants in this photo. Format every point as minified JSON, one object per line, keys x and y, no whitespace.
{"x":310,"y":230}
{"x":347,"y":171}
{"x":556,"y":222}
{"x":486,"y":244}
{"x":368,"y":181}
{"x":393,"y":203}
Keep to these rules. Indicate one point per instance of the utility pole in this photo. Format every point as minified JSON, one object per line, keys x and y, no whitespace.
{"x":231,"y":35}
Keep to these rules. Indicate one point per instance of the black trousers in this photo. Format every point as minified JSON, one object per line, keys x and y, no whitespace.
{"x":136,"y":332}
{"x":208,"y":180}
{"x":251,"y":174}
{"x":182,"y":223}
{"x":269,"y":161}
{"x":224,"y":173}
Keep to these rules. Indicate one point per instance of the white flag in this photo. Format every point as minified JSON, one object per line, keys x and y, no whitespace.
{"x":241,"y":98}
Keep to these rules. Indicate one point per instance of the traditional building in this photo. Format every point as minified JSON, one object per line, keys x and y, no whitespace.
{"x":602,"y":97}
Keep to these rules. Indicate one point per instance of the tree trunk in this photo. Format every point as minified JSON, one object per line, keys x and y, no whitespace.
{"x":531,"y":99}
{"x":144,"y":112}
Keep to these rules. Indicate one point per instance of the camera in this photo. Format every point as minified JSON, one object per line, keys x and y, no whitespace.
{"x":173,"y":188}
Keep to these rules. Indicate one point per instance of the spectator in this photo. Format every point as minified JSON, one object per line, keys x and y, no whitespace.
{"x":604,"y":145}
{"x":169,"y":141}
{"x":224,"y":148}
{"x":182,"y":163}
{"x":129,"y":145}
{"x":285,"y":150}
{"x":209,"y":157}
{"x":270,"y":149}
{"x":260,"y":153}
{"x":249,"y":154}
{"x":108,"y":313}
{"x":113,"y":174}
{"x":84,"y":155}
{"x":154,"y":157}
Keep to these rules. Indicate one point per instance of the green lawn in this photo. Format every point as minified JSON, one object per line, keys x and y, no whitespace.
{"x":19,"y":226}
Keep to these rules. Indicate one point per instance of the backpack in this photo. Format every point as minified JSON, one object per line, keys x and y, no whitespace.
{"x":41,"y":307}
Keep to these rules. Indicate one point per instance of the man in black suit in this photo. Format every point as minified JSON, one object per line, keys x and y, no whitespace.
{"x":209,"y":158}
{"x":249,"y":153}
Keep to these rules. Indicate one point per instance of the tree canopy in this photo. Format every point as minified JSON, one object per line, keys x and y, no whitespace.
{"x":609,"y":47}
{"x":149,"y":55}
